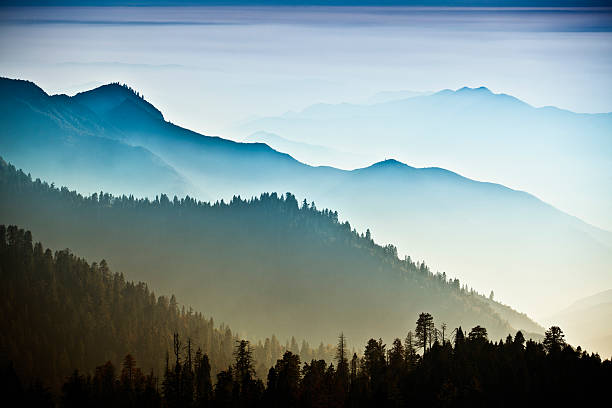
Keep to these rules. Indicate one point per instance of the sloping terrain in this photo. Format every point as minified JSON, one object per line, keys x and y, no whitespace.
{"x":264,"y":265}
{"x":496,"y":238}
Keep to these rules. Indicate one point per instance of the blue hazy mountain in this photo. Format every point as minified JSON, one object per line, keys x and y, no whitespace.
{"x":315,"y":154}
{"x":563,"y":157}
{"x":57,"y":137}
{"x":264,"y":265}
{"x":491,"y":236}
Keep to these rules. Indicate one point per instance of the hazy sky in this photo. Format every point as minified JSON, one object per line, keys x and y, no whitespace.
{"x":207,"y":68}
{"x":210,"y":68}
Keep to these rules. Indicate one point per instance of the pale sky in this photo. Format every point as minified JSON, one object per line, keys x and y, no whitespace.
{"x":209,"y":69}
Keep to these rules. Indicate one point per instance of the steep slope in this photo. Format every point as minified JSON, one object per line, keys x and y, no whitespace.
{"x":499,"y":239}
{"x":107,"y":99}
{"x":210,"y":162}
{"x":264,"y":264}
{"x":53,"y":136}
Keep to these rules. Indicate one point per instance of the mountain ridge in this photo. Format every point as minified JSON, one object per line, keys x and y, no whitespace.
{"x":110,"y":90}
{"x":307,"y":245}
{"x":458,"y":224}
{"x":547,"y":151}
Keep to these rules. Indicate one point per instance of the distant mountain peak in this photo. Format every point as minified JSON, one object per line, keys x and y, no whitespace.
{"x":466,"y":90}
{"x":481,"y":89}
{"x":389,"y":163}
{"x":482,"y":94}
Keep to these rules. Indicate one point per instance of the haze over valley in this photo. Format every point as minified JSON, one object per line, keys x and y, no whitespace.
{"x":493,"y":238}
{"x":288,"y":204}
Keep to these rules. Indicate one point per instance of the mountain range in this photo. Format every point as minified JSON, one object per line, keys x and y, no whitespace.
{"x":262,"y":264}
{"x":533,"y":256}
{"x":304,"y":152}
{"x":563,"y":157}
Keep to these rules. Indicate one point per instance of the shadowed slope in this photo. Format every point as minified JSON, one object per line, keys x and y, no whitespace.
{"x":263,"y":264}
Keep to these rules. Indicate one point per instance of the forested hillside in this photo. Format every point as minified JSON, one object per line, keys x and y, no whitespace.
{"x":59,"y":313}
{"x":61,"y":317}
{"x":264,"y":265}
{"x":111,"y":139}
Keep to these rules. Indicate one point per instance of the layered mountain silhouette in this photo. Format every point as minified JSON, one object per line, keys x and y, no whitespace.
{"x":315,"y":154}
{"x":264,"y":264}
{"x":562,"y":156}
{"x":60,"y":138}
{"x":491,"y":236}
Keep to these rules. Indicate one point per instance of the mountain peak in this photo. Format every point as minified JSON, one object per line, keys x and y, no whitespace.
{"x":482,"y":94}
{"x":106,"y":98}
{"x":467,"y":91}
{"x":389,"y":164}
{"x":481,"y":90}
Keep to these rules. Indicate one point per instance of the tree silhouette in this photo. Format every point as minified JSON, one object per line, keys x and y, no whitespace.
{"x":424,"y":330}
{"x":553,"y":339}
{"x":70,"y":301}
{"x":342,"y":365}
{"x":478,"y":334}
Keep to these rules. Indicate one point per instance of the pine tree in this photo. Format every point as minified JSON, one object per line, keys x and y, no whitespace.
{"x":342,"y":370}
{"x":424,"y":329}
{"x":410,"y":352}
{"x":203,"y":383}
{"x":553,"y":339}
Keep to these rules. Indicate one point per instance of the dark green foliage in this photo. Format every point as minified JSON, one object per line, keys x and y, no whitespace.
{"x":58,"y":313}
{"x":264,"y":265}
{"x":475,"y":372}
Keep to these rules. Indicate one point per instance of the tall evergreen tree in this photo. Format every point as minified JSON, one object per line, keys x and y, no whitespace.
{"x":342,"y":364}
{"x":553,"y":339}
{"x":424,"y":329}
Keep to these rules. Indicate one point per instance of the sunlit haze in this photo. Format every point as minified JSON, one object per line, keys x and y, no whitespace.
{"x":318,"y":179}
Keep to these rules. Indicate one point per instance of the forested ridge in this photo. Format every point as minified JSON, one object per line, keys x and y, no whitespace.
{"x":60,"y":315}
{"x":264,"y":265}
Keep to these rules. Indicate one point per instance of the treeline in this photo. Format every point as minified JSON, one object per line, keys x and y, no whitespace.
{"x":266,"y":264}
{"x":464,"y":370}
{"x":324,"y":221}
{"x":58,"y":313}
